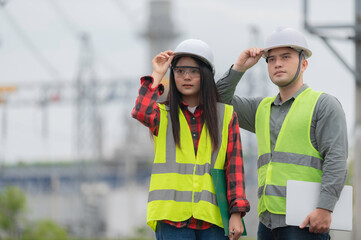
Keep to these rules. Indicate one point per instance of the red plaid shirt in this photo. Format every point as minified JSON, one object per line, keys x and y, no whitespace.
{"x":147,"y":112}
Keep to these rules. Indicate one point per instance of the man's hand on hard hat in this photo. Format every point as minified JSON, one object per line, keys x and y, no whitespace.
{"x":235,"y":226}
{"x":247,"y":59}
{"x":319,"y":221}
{"x":160,"y":64}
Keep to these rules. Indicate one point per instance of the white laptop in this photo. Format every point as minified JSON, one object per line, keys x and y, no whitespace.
{"x":302,"y":198}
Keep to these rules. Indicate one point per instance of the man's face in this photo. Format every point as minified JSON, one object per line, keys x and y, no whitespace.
{"x":282,"y":65}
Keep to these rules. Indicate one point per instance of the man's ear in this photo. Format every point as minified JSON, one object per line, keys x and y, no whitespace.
{"x":304,"y":65}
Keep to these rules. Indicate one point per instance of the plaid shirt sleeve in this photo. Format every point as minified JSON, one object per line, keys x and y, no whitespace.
{"x":235,"y":170}
{"x":146,"y":109}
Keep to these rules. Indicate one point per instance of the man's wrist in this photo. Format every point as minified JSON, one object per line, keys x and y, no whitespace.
{"x":324,"y":209}
{"x":239,"y":68}
{"x":327,"y":201}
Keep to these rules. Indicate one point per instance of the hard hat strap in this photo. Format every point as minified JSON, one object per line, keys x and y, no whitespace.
{"x":298,"y":70}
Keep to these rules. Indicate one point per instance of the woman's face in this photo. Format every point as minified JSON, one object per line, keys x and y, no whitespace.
{"x":188,"y":80}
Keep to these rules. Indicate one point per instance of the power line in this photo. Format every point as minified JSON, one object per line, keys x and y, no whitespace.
{"x":42,"y":60}
{"x":78,"y":34}
{"x":74,"y":30}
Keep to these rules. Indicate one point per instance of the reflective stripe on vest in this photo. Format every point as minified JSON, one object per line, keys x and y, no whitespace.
{"x":294,"y":156}
{"x":181,"y":185}
{"x":182,"y":196}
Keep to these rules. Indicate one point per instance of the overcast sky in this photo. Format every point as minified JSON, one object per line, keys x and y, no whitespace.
{"x":39,"y":43}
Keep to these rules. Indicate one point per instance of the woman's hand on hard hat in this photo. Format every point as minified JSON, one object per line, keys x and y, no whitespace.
{"x":247,"y":59}
{"x":160,"y":64}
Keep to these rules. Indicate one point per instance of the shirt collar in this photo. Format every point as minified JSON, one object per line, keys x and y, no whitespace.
{"x":278,"y":101}
{"x":184,"y":105}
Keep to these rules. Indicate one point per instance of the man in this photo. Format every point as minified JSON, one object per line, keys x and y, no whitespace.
{"x":301,"y":135}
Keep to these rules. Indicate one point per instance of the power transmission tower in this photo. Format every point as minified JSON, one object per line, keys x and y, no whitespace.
{"x":88,"y":121}
{"x":356,"y":38}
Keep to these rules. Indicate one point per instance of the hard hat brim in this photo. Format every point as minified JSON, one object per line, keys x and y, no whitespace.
{"x":307,"y":52}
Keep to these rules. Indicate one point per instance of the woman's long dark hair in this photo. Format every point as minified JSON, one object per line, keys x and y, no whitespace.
{"x":208,"y":97}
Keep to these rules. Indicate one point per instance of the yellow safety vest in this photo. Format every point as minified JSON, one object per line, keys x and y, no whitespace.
{"x":181,"y":185}
{"x":294,"y":157}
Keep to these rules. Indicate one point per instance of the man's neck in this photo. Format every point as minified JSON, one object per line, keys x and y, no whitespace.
{"x":289,"y":91}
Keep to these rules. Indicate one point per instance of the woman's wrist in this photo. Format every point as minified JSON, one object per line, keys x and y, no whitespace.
{"x":156,"y":79}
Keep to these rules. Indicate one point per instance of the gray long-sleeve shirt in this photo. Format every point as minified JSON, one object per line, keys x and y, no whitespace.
{"x":328,"y":135}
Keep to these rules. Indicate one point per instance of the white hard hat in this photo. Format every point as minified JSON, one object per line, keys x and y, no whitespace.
{"x":287,"y":37}
{"x":196,"y":48}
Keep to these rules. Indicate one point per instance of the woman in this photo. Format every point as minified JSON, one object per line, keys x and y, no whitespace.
{"x":193,"y":133}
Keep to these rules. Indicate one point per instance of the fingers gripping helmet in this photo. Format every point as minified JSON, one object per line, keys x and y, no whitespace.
{"x":287,"y":37}
{"x":196,"y":48}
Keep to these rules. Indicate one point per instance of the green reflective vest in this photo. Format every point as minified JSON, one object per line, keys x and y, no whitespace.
{"x":294,"y":157}
{"x":181,"y":185}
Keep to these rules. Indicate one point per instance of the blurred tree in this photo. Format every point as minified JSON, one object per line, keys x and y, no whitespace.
{"x":12,"y":207}
{"x":45,"y":230}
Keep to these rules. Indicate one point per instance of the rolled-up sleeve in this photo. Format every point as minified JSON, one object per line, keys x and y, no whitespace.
{"x":226,"y":85}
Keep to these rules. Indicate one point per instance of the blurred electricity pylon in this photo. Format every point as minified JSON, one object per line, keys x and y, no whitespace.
{"x":323,"y":33}
{"x":88,"y":121}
